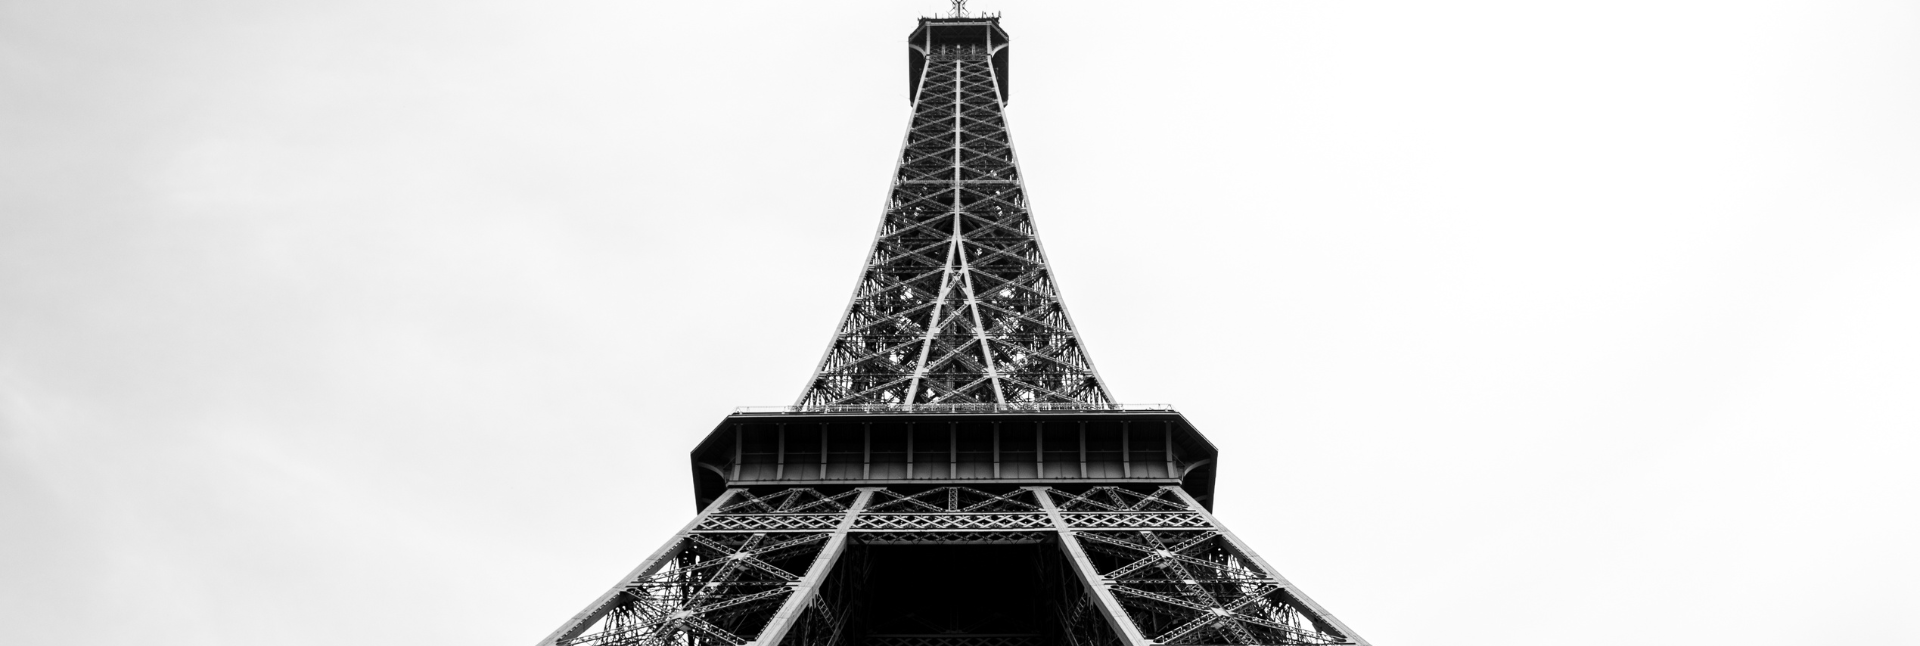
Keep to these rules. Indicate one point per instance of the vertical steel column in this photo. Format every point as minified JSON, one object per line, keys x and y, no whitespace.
{"x":1083,"y":449}
{"x":996,"y":450}
{"x":1039,"y":450}
{"x":804,"y":590}
{"x":1245,"y":552}
{"x":1083,"y":568}
{"x":657,"y":560}
{"x":1170,"y":472}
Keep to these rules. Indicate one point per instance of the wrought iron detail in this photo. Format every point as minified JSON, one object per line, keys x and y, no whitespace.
{"x":718,"y":589}
{"x":834,"y":609}
{"x":1118,"y":499}
{"x":957,"y":304}
{"x":769,"y":523}
{"x":1191,"y":587}
{"x":1138,"y":568}
{"x":948,"y":522}
{"x":953,"y":538}
{"x":798,"y":500}
{"x":1142,"y":520}
{"x":955,"y":499}
{"x":956,"y":312}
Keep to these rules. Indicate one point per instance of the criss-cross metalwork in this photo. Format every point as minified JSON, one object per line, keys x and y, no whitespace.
{"x":747,"y":572}
{"x":957,"y":304}
{"x":1191,"y":587}
{"x":956,"y":473}
{"x":718,"y":590}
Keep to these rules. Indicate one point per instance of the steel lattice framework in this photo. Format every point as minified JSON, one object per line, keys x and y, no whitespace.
{"x":956,"y":474}
{"x":957,"y":303}
{"x":784,"y":568}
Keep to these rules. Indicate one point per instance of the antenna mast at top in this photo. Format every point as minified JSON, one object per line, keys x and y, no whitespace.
{"x":959,"y":8}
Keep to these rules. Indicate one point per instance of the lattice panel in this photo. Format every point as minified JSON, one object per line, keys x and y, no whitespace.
{"x":1190,"y":587}
{"x":948,"y":522}
{"x":796,"y":500}
{"x":952,"y":538}
{"x":719,"y":589}
{"x":769,"y":523}
{"x":956,"y":499}
{"x":831,"y":614}
{"x":957,"y":303}
{"x":1118,"y":499}
{"x":1136,"y":520}
{"x":1076,"y":612}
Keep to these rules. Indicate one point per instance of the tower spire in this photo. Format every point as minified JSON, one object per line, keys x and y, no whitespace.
{"x":957,"y":304}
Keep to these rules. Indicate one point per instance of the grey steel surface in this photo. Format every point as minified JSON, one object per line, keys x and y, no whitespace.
{"x":781,"y":567}
{"x":1151,"y":447}
{"x":1090,"y":577}
{"x":955,"y":445}
{"x":957,"y":303}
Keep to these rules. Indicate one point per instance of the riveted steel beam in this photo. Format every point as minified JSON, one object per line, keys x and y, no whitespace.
{"x":1089,"y":576}
{"x":606,"y":601}
{"x":1319,"y":614}
{"x":809,"y":584}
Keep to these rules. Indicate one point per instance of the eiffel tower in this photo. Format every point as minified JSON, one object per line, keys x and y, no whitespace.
{"x":956,"y":473}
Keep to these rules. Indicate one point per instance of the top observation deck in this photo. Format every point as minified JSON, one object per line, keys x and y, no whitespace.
{"x":938,"y":38}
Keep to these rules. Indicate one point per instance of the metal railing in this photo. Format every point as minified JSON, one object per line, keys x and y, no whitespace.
{"x":1016,"y":407}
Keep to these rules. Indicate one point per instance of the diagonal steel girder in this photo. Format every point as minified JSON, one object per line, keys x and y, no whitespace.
{"x":809,"y":585}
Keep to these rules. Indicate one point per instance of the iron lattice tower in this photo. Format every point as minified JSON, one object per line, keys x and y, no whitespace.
{"x":956,"y":473}
{"x":957,"y":304}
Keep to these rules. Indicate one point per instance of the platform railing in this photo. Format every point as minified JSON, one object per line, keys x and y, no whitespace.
{"x":1016,"y":407}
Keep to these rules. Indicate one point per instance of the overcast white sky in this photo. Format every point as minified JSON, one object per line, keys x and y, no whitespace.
{"x":1518,"y":323}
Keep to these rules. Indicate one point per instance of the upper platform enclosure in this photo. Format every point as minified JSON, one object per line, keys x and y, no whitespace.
{"x":940,"y":38}
{"x":1128,"y":446}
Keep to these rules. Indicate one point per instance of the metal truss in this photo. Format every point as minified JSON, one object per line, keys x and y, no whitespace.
{"x":957,"y":324}
{"x":727,"y":588}
{"x":1182,"y":578}
{"x":1136,"y":567}
{"x":957,"y":304}
{"x":1080,"y":614}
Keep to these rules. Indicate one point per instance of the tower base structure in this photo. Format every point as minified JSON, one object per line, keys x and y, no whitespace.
{"x":956,"y":528}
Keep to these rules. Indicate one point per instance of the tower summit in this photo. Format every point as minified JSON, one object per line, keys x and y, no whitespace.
{"x":955,"y":473}
{"x":957,"y":304}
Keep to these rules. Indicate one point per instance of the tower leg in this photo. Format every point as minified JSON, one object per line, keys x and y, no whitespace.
{"x":1167,"y":572}
{"x":809,"y":585}
{"x":1318,"y":614}
{"x":737,"y":575}
{"x":1090,"y":577}
{"x":600,"y":607}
